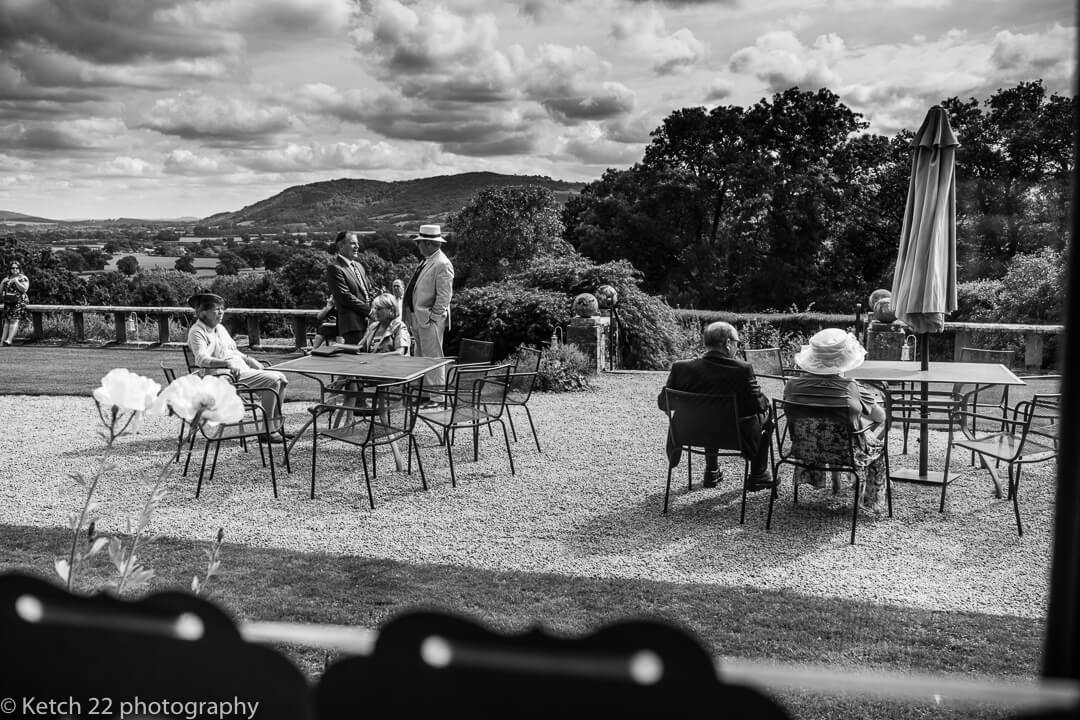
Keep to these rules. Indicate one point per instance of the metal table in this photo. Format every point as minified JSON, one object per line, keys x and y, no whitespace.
{"x":374,"y":367}
{"x":950,"y":373}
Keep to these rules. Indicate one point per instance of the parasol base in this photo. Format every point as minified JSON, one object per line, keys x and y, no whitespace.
{"x":930,"y":477}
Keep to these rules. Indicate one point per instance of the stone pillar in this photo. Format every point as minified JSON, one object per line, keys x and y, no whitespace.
{"x":885,"y":340}
{"x":589,"y":335}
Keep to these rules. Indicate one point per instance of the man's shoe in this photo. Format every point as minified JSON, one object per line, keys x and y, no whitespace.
{"x":712,"y":478}
{"x":759,"y":481}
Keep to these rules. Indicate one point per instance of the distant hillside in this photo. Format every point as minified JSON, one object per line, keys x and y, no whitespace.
{"x":358,"y":203}
{"x":9,"y":217}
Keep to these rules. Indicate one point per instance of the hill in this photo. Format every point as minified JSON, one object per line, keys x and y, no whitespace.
{"x":13,"y":218}
{"x":370,"y":203}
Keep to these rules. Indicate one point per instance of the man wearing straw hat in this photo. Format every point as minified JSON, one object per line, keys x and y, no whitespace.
{"x":426,"y":304}
{"x":215,"y":352}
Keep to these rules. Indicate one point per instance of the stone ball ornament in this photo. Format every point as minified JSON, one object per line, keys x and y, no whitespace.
{"x":607,"y":296}
{"x":586,"y":305}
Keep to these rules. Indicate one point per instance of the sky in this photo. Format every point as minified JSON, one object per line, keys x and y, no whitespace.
{"x":185,"y":108}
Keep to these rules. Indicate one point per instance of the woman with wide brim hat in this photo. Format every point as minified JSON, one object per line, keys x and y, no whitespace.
{"x":824,"y":360}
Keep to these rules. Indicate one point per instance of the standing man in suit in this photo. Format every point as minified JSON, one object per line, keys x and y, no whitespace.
{"x":349,"y":285}
{"x":719,"y":372}
{"x":427,"y":299}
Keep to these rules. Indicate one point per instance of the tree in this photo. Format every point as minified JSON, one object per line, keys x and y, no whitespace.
{"x":72,"y":260}
{"x":502,"y":229}
{"x":304,"y":274}
{"x":129,"y":265}
{"x":185,"y":263}
{"x":229,"y":263}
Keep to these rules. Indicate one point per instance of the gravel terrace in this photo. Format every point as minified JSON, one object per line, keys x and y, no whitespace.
{"x":590,"y":505}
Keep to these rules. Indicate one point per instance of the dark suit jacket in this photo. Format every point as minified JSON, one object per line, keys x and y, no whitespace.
{"x":350,"y":299}
{"x":715,"y":374}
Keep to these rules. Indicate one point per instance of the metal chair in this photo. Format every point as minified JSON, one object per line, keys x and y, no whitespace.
{"x":471,"y":353}
{"x":258,"y":426}
{"x":170,"y":374}
{"x":477,"y":399}
{"x":1029,"y":436}
{"x":993,"y":397}
{"x":382,"y":415}
{"x":522,"y":383}
{"x":700,"y":423}
{"x":821,"y":437}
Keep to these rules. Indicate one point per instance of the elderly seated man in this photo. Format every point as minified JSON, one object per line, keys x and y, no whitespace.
{"x":215,"y":352}
{"x":719,"y":372}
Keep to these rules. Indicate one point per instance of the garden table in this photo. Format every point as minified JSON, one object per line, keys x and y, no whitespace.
{"x":370,"y":367}
{"x":950,"y":373}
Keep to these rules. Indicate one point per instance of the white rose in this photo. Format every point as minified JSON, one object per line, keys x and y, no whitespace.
{"x":188,"y":395}
{"x":126,"y":390}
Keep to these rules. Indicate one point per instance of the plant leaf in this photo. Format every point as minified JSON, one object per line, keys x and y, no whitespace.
{"x":195,"y":584}
{"x":99,"y":543}
{"x":63,"y":569}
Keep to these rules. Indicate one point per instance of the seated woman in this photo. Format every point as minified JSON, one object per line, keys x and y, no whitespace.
{"x":831,"y":353}
{"x":388,"y":333}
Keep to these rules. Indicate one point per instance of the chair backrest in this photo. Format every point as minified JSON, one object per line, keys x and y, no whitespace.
{"x":168,"y":371}
{"x":258,"y":423}
{"x":995,"y":394}
{"x":168,"y":645}
{"x":1042,"y":421}
{"x":767,"y":362}
{"x":396,"y":405}
{"x":189,"y":358}
{"x":700,"y":420}
{"x":815,"y":436}
{"x":475,"y":351}
{"x":523,"y":378}
{"x":435,"y":664}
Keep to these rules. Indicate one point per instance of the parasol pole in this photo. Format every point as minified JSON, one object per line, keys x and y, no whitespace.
{"x":924,"y":396}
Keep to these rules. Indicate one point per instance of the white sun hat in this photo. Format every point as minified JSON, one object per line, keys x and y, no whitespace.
{"x":432,"y":233}
{"x":831,"y":351}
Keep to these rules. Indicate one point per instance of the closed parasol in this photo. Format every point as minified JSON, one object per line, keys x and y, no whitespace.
{"x":924,"y":284}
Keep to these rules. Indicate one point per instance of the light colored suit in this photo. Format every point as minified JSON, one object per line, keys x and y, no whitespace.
{"x":429,"y":318}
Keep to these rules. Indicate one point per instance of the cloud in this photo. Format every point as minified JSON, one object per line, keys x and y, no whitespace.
{"x":591,"y":144}
{"x":192,"y":115}
{"x":361,"y":155}
{"x":645,"y":35}
{"x":718,"y":89}
{"x":62,"y":135}
{"x":128,"y":166}
{"x":560,"y":80}
{"x":113,"y":32}
{"x":185,"y":162}
{"x":782,"y":61}
{"x":10,"y":164}
{"x":1032,"y":53}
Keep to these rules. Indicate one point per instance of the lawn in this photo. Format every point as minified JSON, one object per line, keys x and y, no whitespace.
{"x":573,"y":539}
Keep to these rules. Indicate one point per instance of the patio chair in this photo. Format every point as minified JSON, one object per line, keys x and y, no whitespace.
{"x":471,"y":353}
{"x":380,"y":416}
{"x":698,"y":421}
{"x":522,"y":383}
{"x":821,"y":438}
{"x":258,"y":427}
{"x":1030,"y":436}
{"x":170,"y":374}
{"x":994,"y":398}
{"x":434,"y":664}
{"x":477,"y":399}
{"x":95,"y":653}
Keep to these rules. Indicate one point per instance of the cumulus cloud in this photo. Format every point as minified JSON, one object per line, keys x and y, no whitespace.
{"x":361,"y":155}
{"x":645,"y":35}
{"x":67,"y":135}
{"x":117,"y":31}
{"x":192,"y":115}
{"x":11,"y":164}
{"x":561,"y":80}
{"x":1028,"y":53}
{"x":185,"y":162}
{"x":128,"y":166}
{"x":718,"y":89}
{"x":781,"y":61}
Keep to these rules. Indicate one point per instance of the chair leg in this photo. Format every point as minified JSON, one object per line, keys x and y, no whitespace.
{"x":202,"y":468}
{"x":191,"y":446}
{"x":415,"y":446}
{"x":367,"y":478}
{"x":855,"y":510}
{"x":509,"y":454}
{"x":945,"y":476}
{"x":510,"y":417}
{"x":1014,"y":486}
{"x":689,"y":471}
{"x":746,"y":476}
{"x":773,"y":495}
{"x":450,"y":457}
{"x":667,"y":489}
{"x":532,"y":427}
{"x":476,"y":441}
{"x":314,"y":444}
{"x":273,"y":471}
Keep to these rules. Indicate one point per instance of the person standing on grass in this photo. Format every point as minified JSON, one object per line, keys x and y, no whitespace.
{"x":350,"y":288}
{"x":427,"y":300}
{"x":215,"y":353}
{"x":13,"y":295}
{"x":719,"y":372}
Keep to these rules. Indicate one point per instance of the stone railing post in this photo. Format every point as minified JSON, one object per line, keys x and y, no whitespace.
{"x":78,"y":319}
{"x":254,"y":339}
{"x":120,"y":319}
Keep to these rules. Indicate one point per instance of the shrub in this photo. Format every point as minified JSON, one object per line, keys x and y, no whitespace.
{"x":508,"y":313}
{"x":563,"y":368}
{"x":651,"y":336}
{"x":977,"y":300}
{"x":1033,"y":289}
